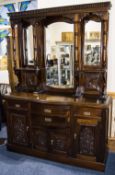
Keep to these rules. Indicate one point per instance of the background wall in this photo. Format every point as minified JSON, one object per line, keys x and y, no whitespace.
{"x":55,"y":35}
{"x":111,"y":47}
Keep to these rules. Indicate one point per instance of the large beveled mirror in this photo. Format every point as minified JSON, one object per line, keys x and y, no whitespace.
{"x":92,"y":43}
{"x":59,"y":55}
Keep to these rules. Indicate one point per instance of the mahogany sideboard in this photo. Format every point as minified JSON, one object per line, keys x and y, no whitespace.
{"x":65,"y":129}
{"x":58,"y":108}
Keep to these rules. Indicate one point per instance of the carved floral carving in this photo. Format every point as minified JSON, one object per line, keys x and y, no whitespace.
{"x":19,"y":134}
{"x":87,"y":141}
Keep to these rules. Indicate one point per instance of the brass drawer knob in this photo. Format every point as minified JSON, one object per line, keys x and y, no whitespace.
{"x":51,"y":141}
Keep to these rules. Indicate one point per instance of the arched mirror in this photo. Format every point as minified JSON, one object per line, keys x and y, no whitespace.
{"x":92,"y":43}
{"x":28,"y":46}
{"x":59,"y":58}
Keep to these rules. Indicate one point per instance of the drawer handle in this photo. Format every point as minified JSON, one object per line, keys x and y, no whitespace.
{"x":52,"y":141}
{"x":3,"y":101}
{"x":48,"y":119}
{"x":17,"y":105}
{"x":75,"y":136}
{"x":47,"y":110}
{"x":27,"y":128}
{"x":87,"y":113}
{"x":68,"y":119}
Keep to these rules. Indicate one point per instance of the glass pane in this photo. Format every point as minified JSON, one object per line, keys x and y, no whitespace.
{"x":59,"y":55}
{"x":28,"y":46}
{"x":92,"y":43}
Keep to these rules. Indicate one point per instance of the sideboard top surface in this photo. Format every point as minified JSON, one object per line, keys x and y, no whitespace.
{"x":56,"y":99}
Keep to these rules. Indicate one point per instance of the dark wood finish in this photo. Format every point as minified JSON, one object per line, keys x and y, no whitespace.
{"x":94,"y":83}
{"x":99,"y":7}
{"x":18,"y":115}
{"x":32,"y":78}
{"x":69,"y":128}
{"x":59,"y":128}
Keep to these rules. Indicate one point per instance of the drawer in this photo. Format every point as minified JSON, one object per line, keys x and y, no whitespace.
{"x":87,"y":111}
{"x":50,"y":115}
{"x":56,"y":121}
{"x":18,"y":104}
{"x":56,"y":110}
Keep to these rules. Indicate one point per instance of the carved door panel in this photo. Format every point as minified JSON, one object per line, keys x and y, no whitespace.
{"x":93,"y":82}
{"x":86,"y":137}
{"x":40,"y":139}
{"x":28,"y":79}
{"x":19,"y":128}
{"x":60,"y":140}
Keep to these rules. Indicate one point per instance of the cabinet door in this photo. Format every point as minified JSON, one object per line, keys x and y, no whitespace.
{"x":40,"y":139}
{"x":59,"y":140}
{"x":18,"y":128}
{"x":87,"y":138}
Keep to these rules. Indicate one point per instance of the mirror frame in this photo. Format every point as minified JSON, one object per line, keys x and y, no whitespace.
{"x":24,"y":45}
{"x":48,"y":21}
{"x":95,"y":18}
{"x":41,"y":17}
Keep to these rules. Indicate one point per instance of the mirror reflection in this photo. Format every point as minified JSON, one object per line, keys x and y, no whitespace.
{"x":28,"y":45}
{"x":92,"y":43}
{"x":59,"y":55}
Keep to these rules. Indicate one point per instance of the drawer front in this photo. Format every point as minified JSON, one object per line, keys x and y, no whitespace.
{"x":18,"y":104}
{"x":50,"y":115}
{"x":56,"y":110}
{"x":56,"y":121}
{"x":85,"y":111}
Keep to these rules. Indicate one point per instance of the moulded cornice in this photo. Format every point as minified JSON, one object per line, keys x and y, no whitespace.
{"x":95,"y":7}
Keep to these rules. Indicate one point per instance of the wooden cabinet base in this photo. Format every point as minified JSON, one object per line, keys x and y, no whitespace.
{"x":58,"y":158}
{"x":74,"y":132}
